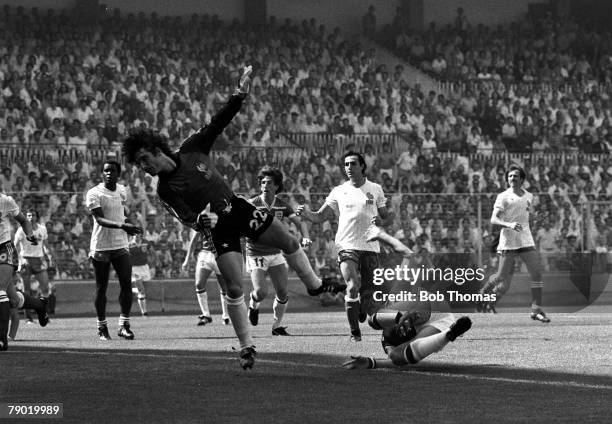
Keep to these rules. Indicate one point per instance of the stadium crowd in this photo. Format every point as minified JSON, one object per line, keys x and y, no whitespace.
{"x":72,"y":92}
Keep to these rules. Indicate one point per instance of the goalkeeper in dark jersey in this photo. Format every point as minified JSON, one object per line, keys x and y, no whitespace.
{"x":189,"y":181}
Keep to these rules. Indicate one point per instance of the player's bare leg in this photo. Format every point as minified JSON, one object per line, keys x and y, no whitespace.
{"x":279,"y":278}
{"x":123,"y":268}
{"x":202,"y":275}
{"x":5,"y":313}
{"x":498,"y":283}
{"x":276,"y":235}
{"x":349,"y":271}
{"x":222,"y":297}
{"x":429,"y":340}
{"x":21,"y":300}
{"x":259,"y":293}
{"x":230,"y":265}
{"x":141,"y":296}
{"x":534,"y":267}
{"x":14,"y":327}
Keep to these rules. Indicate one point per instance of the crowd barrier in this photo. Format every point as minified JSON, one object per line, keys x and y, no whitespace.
{"x":303,"y":145}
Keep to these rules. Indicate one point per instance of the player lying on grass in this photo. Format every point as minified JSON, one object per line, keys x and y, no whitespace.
{"x":411,"y":330}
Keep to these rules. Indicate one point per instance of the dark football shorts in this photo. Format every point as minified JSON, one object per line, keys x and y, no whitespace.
{"x":514,"y":252}
{"x":8,"y":254}
{"x":367,"y":261}
{"x":108,"y":255}
{"x":34,"y":265}
{"x":241,"y":220}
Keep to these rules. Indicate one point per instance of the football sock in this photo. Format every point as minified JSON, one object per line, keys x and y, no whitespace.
{"x":5,"y":313}
{"x":123,"y":320}
{"x":299,"y":262}
{"x":278,"y":308}
{"x":383,"y":319}
{"x":142,"y":303}
{"x":536,"y":294}
{"x":223,"y":306}
{"x":254,"y":302}
{"x":51,"y":304}
{"x":352,"y":307}
{"x":203,"y":301}
{"x":102,"y":323}
{"x":237,"y":311}
{"x":422,"y":348}
{"x":14,"y":323}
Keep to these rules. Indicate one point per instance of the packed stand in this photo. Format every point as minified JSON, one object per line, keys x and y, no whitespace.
{"x":85,"y":87}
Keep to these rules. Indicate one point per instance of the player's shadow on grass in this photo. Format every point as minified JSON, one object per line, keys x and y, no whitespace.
{"x":322,"y":363}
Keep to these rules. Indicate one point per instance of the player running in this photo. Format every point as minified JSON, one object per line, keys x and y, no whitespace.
{"x":262,"y":259}
{"x":189,"y":181}
{"x":511,"y":211}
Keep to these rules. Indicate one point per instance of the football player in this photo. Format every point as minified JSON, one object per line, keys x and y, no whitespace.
{"x":411,"y":330}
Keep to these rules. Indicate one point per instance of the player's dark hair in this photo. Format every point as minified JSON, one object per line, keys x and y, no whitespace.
{"x":275,"y":174}
{"x":521,"y":171}
{"x":147,"y":139}
{"x":359,"y":157}
{"x":34,"y":211}
{"x":116,"y":164}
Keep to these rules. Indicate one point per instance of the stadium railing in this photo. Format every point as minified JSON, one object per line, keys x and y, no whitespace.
{"x":305,"y":144}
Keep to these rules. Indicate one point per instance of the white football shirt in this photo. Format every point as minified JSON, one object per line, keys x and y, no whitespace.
{"x":8,"y":208}
{"x":27,"y":249}
{"x":113,"y":208}
{"x":356,"y":206}
{"x":514,"y":208}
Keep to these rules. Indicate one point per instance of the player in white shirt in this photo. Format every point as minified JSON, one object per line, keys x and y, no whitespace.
{"x":9,"y":295}
{"x":33,"y":258}
{"x":109,"y":245}
{"x":359,"y":204}
{"x":511,"y":212}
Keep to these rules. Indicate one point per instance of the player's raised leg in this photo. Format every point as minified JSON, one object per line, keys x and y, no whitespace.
{"x":276,"y":235}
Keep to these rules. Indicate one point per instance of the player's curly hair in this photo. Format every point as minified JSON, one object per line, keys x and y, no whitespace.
{"x":147,"y":139}
{"x":274,"y":173}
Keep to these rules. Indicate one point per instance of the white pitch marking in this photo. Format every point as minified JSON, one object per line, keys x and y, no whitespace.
{"x":572,"y":384}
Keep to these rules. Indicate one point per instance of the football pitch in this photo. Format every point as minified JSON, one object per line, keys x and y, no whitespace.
{"x":507,"y":368}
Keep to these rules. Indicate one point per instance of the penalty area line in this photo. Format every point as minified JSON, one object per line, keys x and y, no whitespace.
{"x":572,"y":384}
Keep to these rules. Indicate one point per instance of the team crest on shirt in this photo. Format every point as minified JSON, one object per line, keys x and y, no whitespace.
{"x":200,"y":166}
{"x":278,"y":215}
{"x":370,"y":197}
